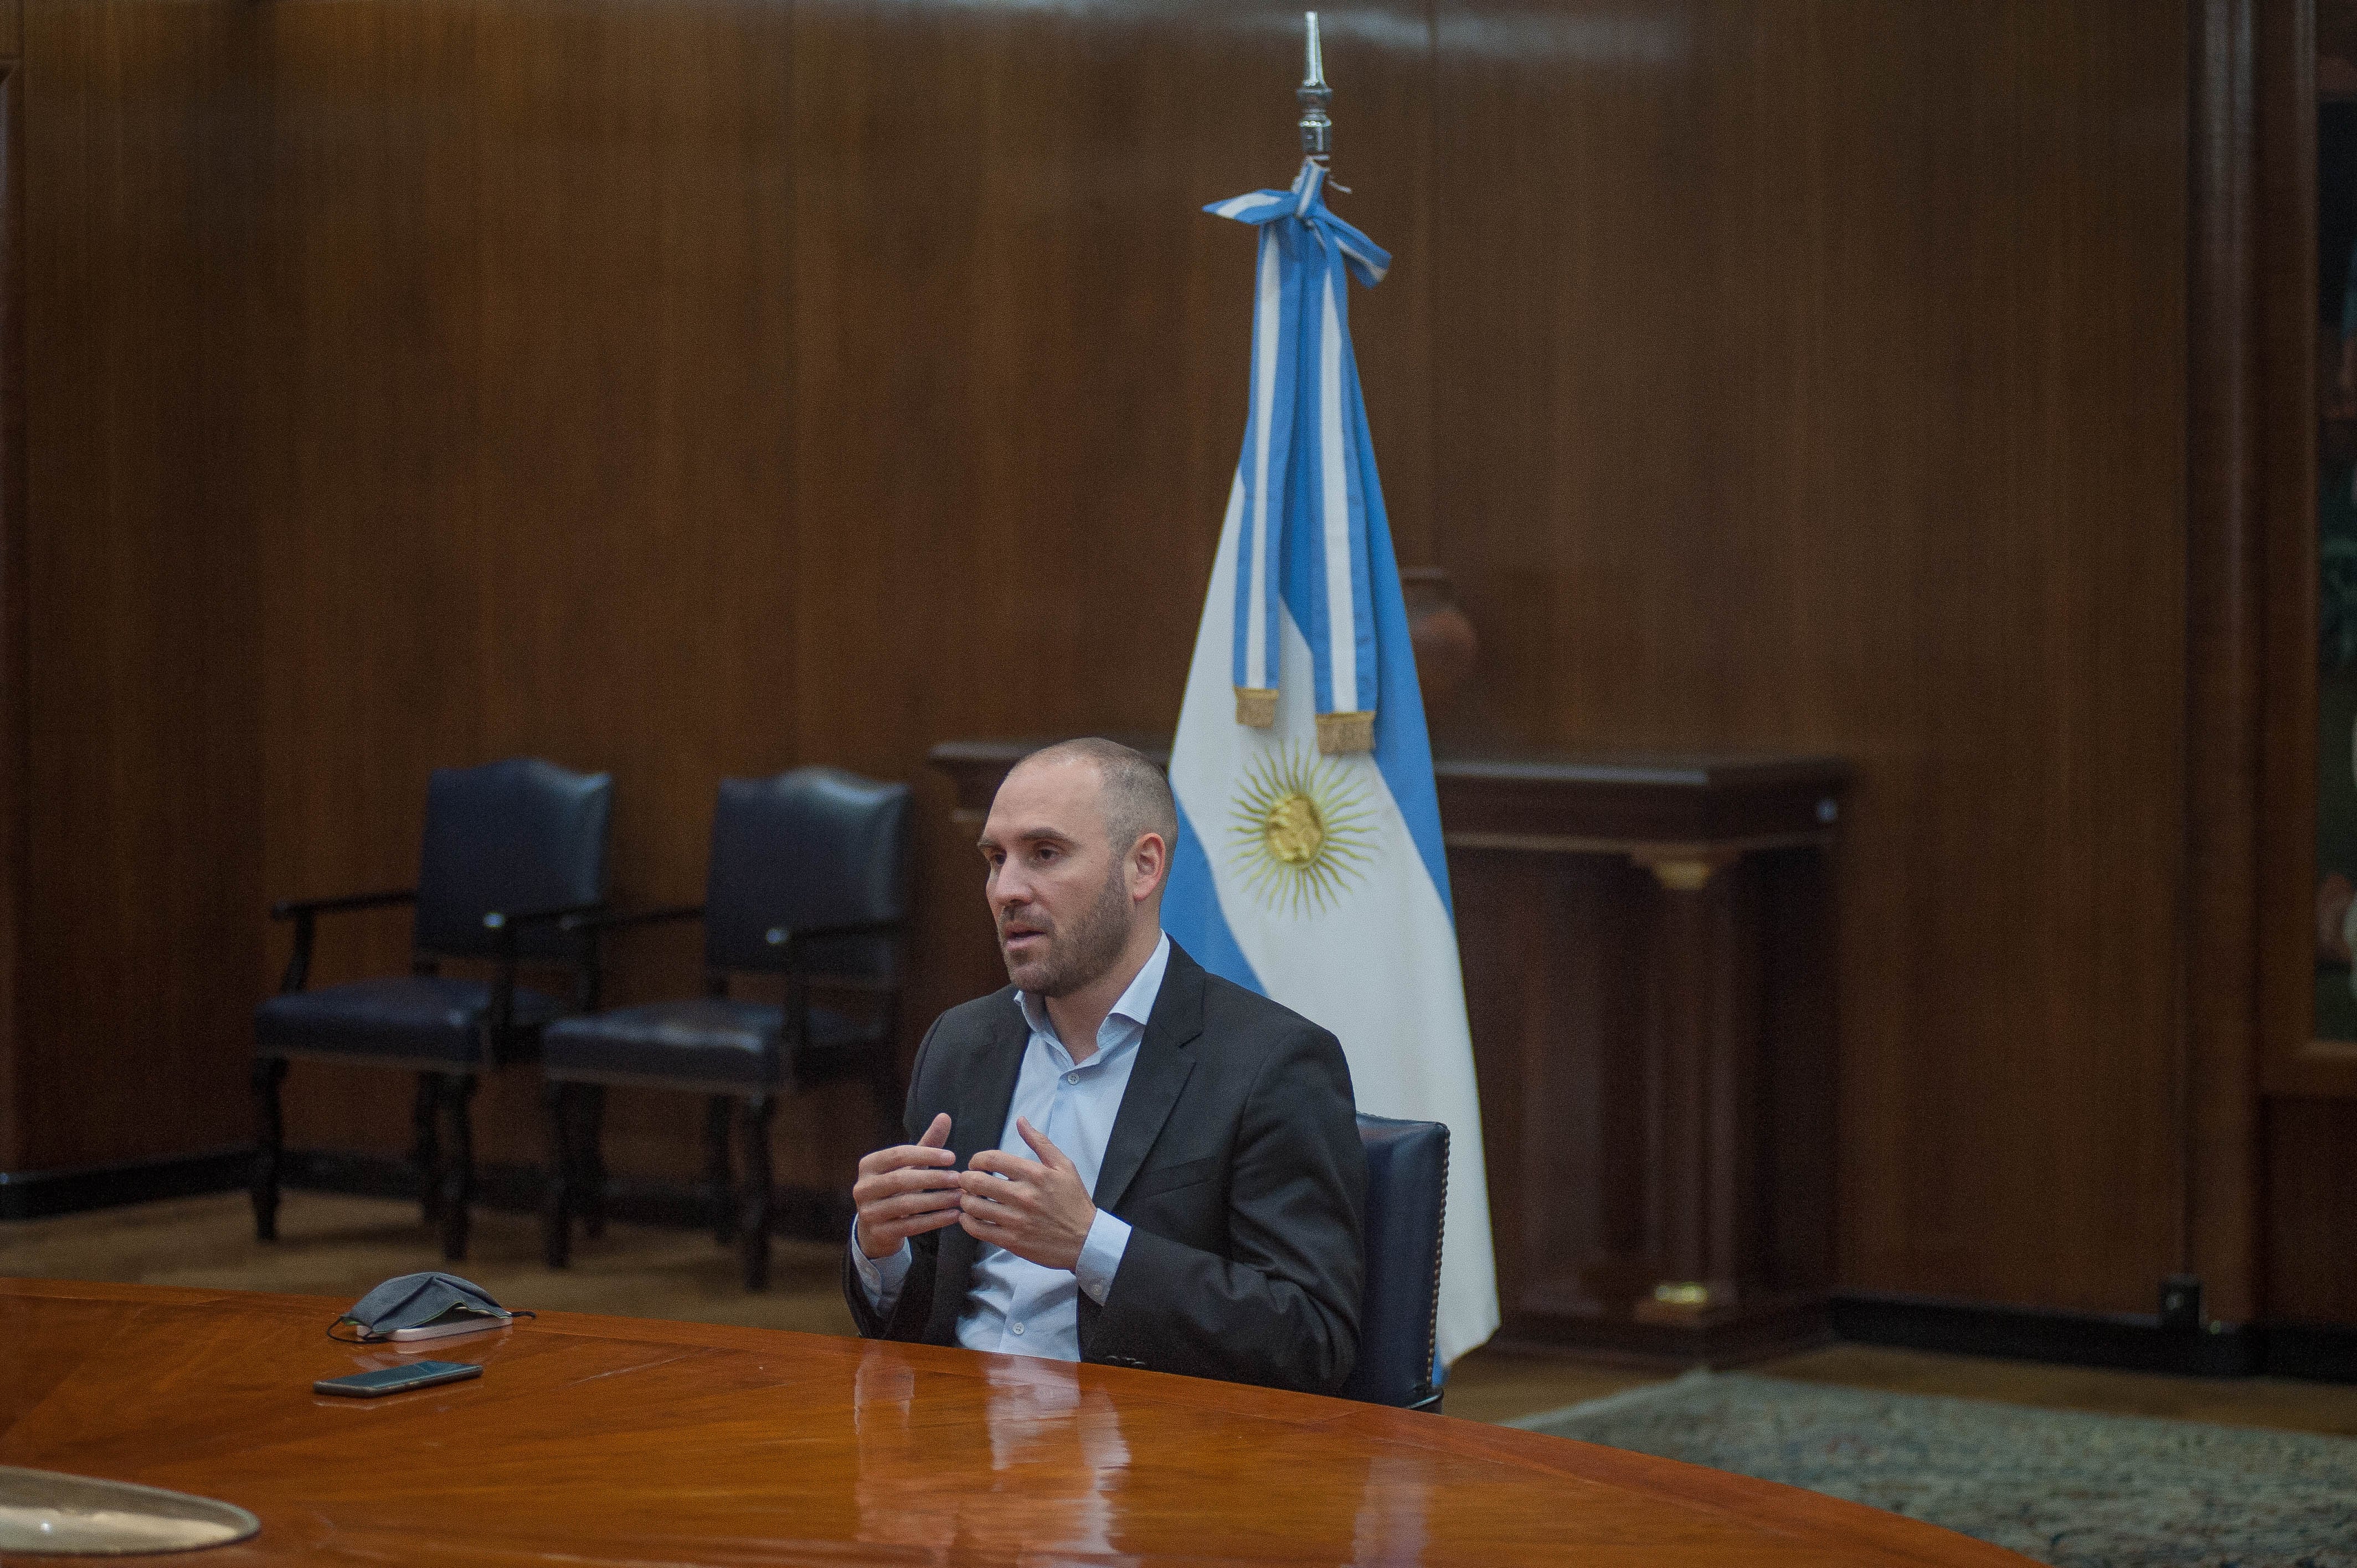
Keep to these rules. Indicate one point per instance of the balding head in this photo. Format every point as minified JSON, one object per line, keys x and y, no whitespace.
{"x":1133,"y":795}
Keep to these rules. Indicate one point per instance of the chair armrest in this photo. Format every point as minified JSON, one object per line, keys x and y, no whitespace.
{"x":616,"y":919}
{"x":305,"y":913}
{"x":783,"y":936}
{"x":798,"y":979}
{"x":503,"y":924}
{"x":298,"y":908}
{"x":507,"y":920}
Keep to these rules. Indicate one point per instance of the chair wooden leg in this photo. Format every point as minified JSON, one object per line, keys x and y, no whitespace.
{"x":590,"y":1143}
{"x":754,"y":1239}
{"x":557,"y":1197}
{"x":424,"y":1119}
{"x":458,"y":1175}
{"x":718,"y":1112}
{"x":269,"y":1141}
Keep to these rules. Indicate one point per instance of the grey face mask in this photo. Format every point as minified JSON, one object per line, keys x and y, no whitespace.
{"x":411,"y":1300}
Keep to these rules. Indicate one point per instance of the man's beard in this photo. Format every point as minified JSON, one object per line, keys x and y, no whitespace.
{"x":1079,"y":953}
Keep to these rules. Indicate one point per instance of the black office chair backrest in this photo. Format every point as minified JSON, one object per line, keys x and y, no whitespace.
{"x":813,"y":847}
{"x":516,"y":835}
{"x":1407,"y":1196}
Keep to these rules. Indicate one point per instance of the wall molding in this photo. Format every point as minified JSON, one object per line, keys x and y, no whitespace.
{"x":2129,"y":1341}
{"x":2323,"y":1353}
{"x":38,"y":1194}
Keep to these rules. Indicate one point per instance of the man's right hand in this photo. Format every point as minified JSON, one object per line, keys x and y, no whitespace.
{"x":907,"y":1190}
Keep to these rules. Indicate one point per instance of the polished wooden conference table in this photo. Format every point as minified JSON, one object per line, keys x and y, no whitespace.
{"x":625,"y":1441}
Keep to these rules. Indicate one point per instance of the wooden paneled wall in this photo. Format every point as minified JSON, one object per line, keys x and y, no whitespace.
{"x":13,"y":759}
{"x":686,"y":388}
{"x":136,"y":941}
{"x":1825,"y":390}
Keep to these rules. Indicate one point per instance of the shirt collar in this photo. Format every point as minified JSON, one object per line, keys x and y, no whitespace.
{"x":1135,"y":1004}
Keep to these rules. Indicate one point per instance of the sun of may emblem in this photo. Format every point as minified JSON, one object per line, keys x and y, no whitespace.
{"x":1301,"y":830}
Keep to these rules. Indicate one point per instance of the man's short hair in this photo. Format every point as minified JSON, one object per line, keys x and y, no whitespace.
{"x":1133,"y":792}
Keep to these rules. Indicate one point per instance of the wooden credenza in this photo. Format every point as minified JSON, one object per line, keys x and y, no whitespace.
{"x":1646,"y":944}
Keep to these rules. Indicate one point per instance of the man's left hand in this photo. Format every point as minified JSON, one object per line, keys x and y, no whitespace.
{"x":1037,"y":1209}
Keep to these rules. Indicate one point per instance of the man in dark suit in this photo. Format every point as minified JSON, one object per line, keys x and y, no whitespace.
{"x":1119,"y":1157}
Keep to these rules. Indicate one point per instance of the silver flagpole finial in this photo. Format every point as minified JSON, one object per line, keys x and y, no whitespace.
{"x":1317,"y":130}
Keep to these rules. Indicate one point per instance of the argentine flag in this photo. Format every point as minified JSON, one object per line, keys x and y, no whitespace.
{"x":1309,"y":865}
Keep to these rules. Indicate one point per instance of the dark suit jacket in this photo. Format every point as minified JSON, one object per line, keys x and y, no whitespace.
{"x":1234,"y":1158}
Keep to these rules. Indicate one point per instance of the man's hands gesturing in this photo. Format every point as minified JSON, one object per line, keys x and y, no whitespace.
{"x":907,"y":1190}
{"x":1037,"y":1209}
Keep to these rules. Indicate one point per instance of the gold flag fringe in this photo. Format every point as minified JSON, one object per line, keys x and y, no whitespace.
{"x":1257,"y":706}
{"x":1340,"y":734}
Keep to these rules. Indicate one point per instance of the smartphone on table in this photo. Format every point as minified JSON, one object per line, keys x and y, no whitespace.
{"x":397,"y":1379}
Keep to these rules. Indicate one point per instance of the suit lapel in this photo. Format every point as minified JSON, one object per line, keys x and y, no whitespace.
{"x":1163,"y":1061}
{"x":987,"y":1091}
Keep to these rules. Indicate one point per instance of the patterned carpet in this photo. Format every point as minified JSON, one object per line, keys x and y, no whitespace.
{"x":2073,"y":1490}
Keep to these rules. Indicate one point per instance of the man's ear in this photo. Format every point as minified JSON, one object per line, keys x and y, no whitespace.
{"x":1149,"y":859}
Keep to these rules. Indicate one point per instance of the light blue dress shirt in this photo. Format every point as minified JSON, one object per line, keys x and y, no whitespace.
{"x":1013,"y":1304}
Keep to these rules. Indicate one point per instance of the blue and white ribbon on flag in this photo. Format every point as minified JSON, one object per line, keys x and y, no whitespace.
{"x":1307,"y":468}
{"x":1312,"y":873}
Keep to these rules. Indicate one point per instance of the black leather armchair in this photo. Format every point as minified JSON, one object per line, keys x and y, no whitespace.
{"x":807,"y":881}
{"x":512,"y":849}
{"x":1407,"y":1198}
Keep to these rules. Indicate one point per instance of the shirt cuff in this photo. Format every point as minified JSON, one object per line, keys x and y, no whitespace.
{"x":1100,"y":1255}
{"x":881,"y":1277}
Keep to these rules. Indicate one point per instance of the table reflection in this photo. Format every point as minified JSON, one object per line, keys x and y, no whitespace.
{"x":1393,"y":1506}
{"x":1045,"y":1476}
{"x":1054,"y":1474}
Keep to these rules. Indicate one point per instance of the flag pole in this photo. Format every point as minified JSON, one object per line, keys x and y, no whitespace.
{"x":1314,"y":95}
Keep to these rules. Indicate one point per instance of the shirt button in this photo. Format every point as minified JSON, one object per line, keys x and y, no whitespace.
{"x":1072,"y":1077}
{"x":1018,"y":1329}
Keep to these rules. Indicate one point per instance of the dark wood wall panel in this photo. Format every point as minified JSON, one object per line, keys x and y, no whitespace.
{"x":1831,"y":398}
{"x":1522,"y":917}
{"x":688,"y":388}
{"x":559,"y":237}
{"x":768,"y":379}
{"x":367,"y":326}
{"x":13,"y":597}
{"x":143,"y":833}
{"x":2311,"y":1269}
